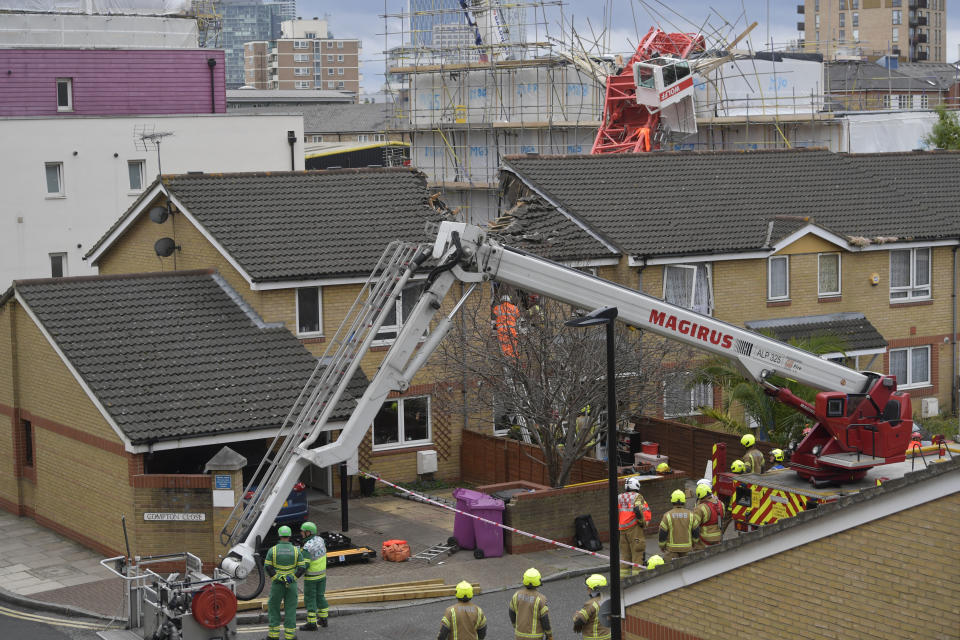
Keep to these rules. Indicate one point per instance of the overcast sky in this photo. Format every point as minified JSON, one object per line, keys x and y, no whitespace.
{"x":362,"y":19}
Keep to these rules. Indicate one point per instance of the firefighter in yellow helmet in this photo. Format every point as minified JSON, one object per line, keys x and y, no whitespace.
{"x":679,"y":528}
{"x":737,"y":466}
{"x":463,"y":620}
{"x":587,"y":620}
{"x":528,"y":610}
{"x":778,"y":458}
{"x":654,"y":562}
{"x":634,"y":514}
{"x":753,"y":458}
{"x":710,"y":513}
{"x":663,"y":468}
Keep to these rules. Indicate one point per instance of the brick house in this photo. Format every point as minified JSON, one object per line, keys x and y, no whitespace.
{"x":297,"y":247}
{"x":798,"y":236}
{"x":115,"y":392}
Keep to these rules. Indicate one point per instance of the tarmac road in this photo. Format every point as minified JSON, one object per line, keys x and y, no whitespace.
{"x":564,"y":598}
{"x":16,"y":622}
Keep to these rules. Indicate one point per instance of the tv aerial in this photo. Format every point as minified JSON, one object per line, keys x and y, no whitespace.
{"x":147,"y":138}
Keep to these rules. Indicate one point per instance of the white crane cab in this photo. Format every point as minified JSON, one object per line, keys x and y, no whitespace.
{"x":665,"y":84}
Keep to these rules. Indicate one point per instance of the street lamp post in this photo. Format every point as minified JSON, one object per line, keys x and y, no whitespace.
{"x":607,"y":316}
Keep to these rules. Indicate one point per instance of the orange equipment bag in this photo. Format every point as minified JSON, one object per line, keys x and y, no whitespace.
{"x":395,"y":550}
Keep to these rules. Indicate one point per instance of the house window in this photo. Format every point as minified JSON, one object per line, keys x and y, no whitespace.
{"x":402,"y":422}
{"x":380,"y":137}
{"x":816,"y":5}
{"x":329,"y":58}
{"x":842,"y":35}
{"x":856,"y":19}
{"x":26,"y":430}
{"x":309,"y":311}
{"x":302,"y":71}
{"x":340,"y":58}
{"x":843,"y":5}
{"x":330,"y":71}
{"x":58,"y":265}
{"x":301,"y":84}
{"x":339,"y":44}
{"x":339,"y":71}
{"x":895,"y":37}
{"x":897,"y":16}
{"x":854,"y":4}
{"x":54,"y":176}
{"x":64,"y":94}
{"x":363,"y":138}
{"x":682,"y":398}
{"x":816,"y":21}
{"x":828,"y":274}
{"x":316,"y":139}
{"x":301,"y":44}
{"x":330,"y":84}
{"x":301,"y":57}
{"x":340,"y":84}
{"x":778,"y":277}
{"x":843,"y":18}
{"x":909,"y":274}
{"x":924,"y":101}
{"x":856,"y":35}
{"x":135,"y":174}
{"x":398,"y":314}
{"x":329,"y":44}
{"x":689,"y":286}
{"x":910,"y":366}
{"x":310,"y":35}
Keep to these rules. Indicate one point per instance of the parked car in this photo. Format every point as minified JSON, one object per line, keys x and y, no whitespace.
{"x":293,"y":513}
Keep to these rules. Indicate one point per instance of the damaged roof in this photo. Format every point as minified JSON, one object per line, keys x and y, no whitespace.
{"x":852,"y":328}
{"x":299,"y":225}
{"x":686,"y":203}
{"x":535,"y":226}
{"x":171,"y":356}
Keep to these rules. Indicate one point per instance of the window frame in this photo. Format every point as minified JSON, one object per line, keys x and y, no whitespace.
{"x":67,"y":108}
{"x":839,"y":291}
{"x":303,"y":71}
{"x":363,"y":137}
{"x":400,"y":319}
{"x":27,"y":458}
{"x":319,"y":331}
{"x":142,"y":166}
{"x":909,"y":353}
{"x":770,"y":261}
{"x":910,"y":289}
{"x":61,"y":192}
{"x":301,"y":84}
{"x":401,"y":443}
{"x":301,"y":44}
{"x":705,"y":387}
{"x":63,"y":264}
{"x":693,"y":293}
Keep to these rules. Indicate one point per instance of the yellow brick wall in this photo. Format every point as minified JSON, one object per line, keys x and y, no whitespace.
{"x":867,"y":582}
{"x":8,"y":482}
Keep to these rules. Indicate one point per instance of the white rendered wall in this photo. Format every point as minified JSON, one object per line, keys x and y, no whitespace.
{"x":95,"y":152}
{"x":77,"y":31}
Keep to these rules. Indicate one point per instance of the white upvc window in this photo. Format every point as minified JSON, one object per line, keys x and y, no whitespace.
{"x":681,"y":398}
{"x":778,"y":278}
{"x":339,"y":71}
{"x":340,"y":58}
{"x":329,"y":58}
{"x":910,"y":274}
{"x":828,"y":275}
{"x":689,"y":286}
{"x":402,"y":422}
{"x":53,"y":174}
{"x":301,"y":44}
{"x":329,"y":44}
{"x":330,"y":71}
{"x":64,"y":94}
{"x":301,"y":57}
{"x":363,"y":137}
{"x":135,"y":175}
{"x":302,"y":71}
{"x":302,"y":84}
{"x":330,"y":84}
{"x":58,"y":265}
{"x":316,"y":139}
{"x":340,"y":84}
{"x":911,"y":366}
{"x":339,"y":44}
{"x":380,"y":137}
{"x":398,"y":314}
{"x":309,"y":311}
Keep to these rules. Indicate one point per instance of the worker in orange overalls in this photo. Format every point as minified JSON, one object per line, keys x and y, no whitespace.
{"x":634,"y":514}
{"x":506,"y":316}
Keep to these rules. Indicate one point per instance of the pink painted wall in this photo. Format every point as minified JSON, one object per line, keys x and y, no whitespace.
{"x":111,"y":81}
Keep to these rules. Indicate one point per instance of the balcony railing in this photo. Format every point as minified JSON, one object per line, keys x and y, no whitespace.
{"x":920,"y":38}
{"x":922,"y":55}
{"x":922,"y":21}
{"x":800,"y":9}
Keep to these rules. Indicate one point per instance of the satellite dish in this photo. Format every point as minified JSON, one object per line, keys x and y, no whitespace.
{"x":159,"y":214}
{"x":164,"y":247}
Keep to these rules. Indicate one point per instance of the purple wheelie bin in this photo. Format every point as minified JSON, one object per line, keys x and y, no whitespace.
{"x":463,"y":525}
{"x":489,"y":537}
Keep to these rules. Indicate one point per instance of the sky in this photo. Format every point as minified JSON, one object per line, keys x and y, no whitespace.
{"x":362,"y":19}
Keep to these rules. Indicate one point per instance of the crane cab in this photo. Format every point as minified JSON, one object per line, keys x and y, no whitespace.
{"x":665,"y":85}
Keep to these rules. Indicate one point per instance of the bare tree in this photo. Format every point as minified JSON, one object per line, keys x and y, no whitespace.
{"x":548,"y":381}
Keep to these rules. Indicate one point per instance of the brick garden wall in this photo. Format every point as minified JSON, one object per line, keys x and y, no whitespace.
{"x":867,"y":582}
{"x":163,"y":493}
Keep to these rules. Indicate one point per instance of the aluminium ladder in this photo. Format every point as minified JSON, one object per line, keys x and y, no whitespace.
{"x":329,"y":380}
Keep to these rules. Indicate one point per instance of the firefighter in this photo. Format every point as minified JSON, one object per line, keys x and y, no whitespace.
{"x":777,"y":458}
{"x":679,"y":528}
{"x":753,"y":458}
{"x":284,"y":563}
{"x":528,"y":610}
{"x":737,"y":466}
{"x":463,"y":620}
{"x":654,"y":562}
{"x":634,"y":514}
{"x":315,"y":580}
{"x":663,"y":468}
{"x":587,"y":620}
{"x":506,"y":316}
{"x":709,"y":513}
{"x":535,"y":311}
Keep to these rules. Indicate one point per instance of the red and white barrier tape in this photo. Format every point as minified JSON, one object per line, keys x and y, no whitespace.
{"x":555,"y":543}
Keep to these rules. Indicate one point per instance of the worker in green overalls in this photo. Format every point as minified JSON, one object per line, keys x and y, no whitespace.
{"x":284,"y":563}
{"x":315,"y":581}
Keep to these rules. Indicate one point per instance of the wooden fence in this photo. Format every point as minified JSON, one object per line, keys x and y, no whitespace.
{"x":490,"y":460}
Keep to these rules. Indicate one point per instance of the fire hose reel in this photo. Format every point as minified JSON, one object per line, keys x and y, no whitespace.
{"x":214,"y":606}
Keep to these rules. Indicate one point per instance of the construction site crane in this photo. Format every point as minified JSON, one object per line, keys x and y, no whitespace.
{"x":651,"y":96}
{"x":862,"y":420}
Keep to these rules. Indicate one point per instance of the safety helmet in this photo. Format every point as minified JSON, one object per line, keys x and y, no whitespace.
{"x":464,"y":590}
{"x":748,"y":440}
{"x":663,"y":467}
{"x":654,"y":561}
{"x":284,"y":532}
{"x":705,"y":481}
{"x":632,"y":484}
{"x":737,"y":466}
{"x":309,"y":526}
{"x":777,"y":455}
{"x":595,"y":581}
{"x":678,"y":497}
{"x":504,"y":298}
{"x":531,"y":578}
{"x":702,"y":491}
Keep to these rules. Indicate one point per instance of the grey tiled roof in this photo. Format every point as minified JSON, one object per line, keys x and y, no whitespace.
{"x":869,"y":76}
{"x":334,"y":118}
{"x":302,"y":225}
{"x":537,"y":227}
{"x":932,"y":177}
{"x":171,"y":356}
{"x":687,"y":203}
{"x":943,"y":73}
{"x":852,"y":328}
